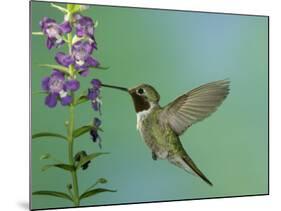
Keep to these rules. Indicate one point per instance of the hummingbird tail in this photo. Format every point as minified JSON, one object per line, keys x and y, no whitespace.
{"x":188,"y":165}
{"x":196,"y":170}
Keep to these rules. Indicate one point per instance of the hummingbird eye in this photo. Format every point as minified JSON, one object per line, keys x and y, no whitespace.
{"x":140,"y":91}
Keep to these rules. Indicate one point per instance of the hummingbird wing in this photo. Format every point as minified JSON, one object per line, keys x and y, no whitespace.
{"x":194,"y":106}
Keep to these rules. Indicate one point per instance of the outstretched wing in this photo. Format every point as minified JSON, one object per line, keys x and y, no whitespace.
{"x":195,"y":105}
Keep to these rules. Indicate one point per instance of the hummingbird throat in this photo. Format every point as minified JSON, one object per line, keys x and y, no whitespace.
{"x":140,"y":103}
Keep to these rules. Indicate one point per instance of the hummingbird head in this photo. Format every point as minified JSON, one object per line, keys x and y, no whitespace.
{"x":144,"y":96}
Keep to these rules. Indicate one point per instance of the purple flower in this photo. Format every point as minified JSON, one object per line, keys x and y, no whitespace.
{"x":64,"y":59}
{"x":96,"y":83}
{"x":54,"y":31}
{"x":94,"y":131}
{"x":58,"y":89}
{"x":94,"y":95}
{"x":81,"y":53}
{"x":84,"y":26}
{"x":80,"y":57}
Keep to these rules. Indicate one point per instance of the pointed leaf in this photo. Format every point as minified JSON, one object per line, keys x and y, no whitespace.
{"x":82,"y":130}
{"x":100,"y":180}
{"x":59,"y":165}
{"x":53,"y":193}
{"x":96,"y":24}
{"x":90,"y":157}
{"x":82,"y":99}
{"x":62,"y":9}
{"x":45,"y":156}
{"x":37,"y":33}
{"x":101,"y":68}
{"x":46,"y":134}
{"x":57,"y":67}
{"x":94,"y":192}
{"x":39,"y":92}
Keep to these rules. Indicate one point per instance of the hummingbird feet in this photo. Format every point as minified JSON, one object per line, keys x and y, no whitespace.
{"x":154,"y":156}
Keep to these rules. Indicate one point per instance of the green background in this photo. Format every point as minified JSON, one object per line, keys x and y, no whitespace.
{"x":175,"y":52}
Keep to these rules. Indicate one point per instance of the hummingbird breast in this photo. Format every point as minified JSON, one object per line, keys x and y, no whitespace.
{"x":152,"y":132}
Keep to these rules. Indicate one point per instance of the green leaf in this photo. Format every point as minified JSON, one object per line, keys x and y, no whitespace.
{"x":82,"y":130}
{"x":100,"y":180}
{"x":45,"y":156}
{"x":53,"y":193}
{"x":59,"y":165}
{"x":81,"y":99}
{"x":101,"y":68}
{"x":94,"y":192}
{"x":96,"y":24}
{"x":47,"y":134}
{"x":57,"y":67}
{"x":37,"y":33}
{"x":90,"y":157}
{"x":39,"y":92}
{"x":62,"y":9}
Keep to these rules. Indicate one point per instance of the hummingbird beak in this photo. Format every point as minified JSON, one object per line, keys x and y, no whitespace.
{"x":115,"y":87}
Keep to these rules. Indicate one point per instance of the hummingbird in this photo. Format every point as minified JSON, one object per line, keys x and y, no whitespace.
{"x":161,"y":127}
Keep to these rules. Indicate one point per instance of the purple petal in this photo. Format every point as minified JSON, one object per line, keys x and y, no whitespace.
{"x":65,"y":27}
{"x":92,"y":62}
{"x":49,"y":43}
{"x":85,"y":46}
{"x":88,"y":47}
{"x":86,"y":21}
{"x":45,"y":83}
{"x":66,"y":100}
{"x":57,"y":74}
{"x":94,"y":134}
{"x":97,"y":122}
{"x":94,"y":45}
{"x":77,"y":45}
{"x":64,"y":59}
{"x":72,"y":85}
{"x":95,"y":105}
{"x":43,"y":23}
{"x":80,"y":32}
{"x":96,"y":83}
{"x":51,"y":100}
{"x":84,"y":73}
{"x":93,"y":94}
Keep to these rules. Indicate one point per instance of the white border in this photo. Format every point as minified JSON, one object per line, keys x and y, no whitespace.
{"x":14,"y":89}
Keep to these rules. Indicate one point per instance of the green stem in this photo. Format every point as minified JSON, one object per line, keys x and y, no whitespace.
{"x":70,"y":154}
{"x":76,"y":200}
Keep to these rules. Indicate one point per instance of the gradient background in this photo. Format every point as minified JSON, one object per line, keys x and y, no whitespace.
{"x":175,"y":52}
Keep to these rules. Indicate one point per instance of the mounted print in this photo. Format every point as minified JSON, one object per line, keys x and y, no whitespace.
{"x":134,"y":105}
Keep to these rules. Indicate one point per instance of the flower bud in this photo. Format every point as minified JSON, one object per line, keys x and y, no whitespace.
{"x":69,"y":186}
{"x":102,"y":180}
